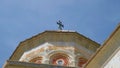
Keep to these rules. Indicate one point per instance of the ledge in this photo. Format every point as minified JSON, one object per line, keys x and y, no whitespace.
{"x":14,"y":64}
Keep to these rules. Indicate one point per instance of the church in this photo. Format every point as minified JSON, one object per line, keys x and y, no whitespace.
{"x":66,"y":49}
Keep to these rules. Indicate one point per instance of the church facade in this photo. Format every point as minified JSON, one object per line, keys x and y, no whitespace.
{"x":66,"y":49}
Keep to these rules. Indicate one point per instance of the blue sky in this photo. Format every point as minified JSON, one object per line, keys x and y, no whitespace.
{"x":22,"y":19}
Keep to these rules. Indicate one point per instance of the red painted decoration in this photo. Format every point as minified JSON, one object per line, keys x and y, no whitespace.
{"x":81,"y":62}
{"x":60,"y":59}
{"x":37,"y":60}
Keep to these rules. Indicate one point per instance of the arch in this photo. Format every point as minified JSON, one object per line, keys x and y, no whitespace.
{"x":37,"y":60}
{"x":61,"y":59}
{"x":70,"y":54}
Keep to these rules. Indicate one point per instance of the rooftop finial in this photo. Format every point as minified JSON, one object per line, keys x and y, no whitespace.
{"x":60,"y":25}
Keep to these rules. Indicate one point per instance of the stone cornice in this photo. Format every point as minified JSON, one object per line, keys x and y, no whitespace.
{"x":31,"y":65}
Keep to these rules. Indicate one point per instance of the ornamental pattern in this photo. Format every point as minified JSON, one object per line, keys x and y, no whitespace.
{"x":37,"y":60}
{"x":59,"y":59}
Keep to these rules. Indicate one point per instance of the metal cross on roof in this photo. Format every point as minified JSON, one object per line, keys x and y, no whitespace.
{"x":60,"y":25}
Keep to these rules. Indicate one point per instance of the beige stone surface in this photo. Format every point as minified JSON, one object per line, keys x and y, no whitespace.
{"x":54,"y":36}
{"x":113,"y":60}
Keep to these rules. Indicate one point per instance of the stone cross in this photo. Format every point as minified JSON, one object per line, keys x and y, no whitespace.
{"x":60,"y":25}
